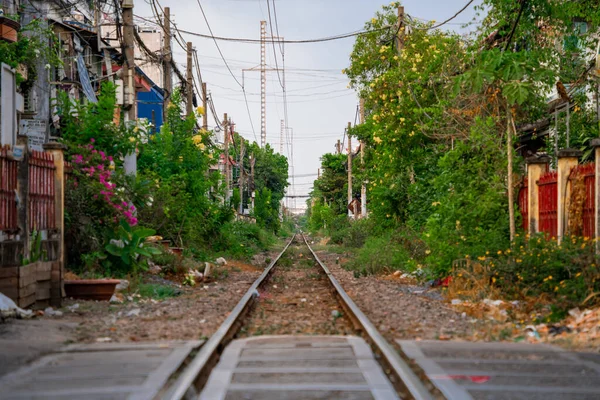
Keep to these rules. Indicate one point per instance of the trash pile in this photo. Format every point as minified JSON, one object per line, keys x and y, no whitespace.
{"x":8,"y":309}
{"x":487,"y":309}
{"x":580,"y":328}
{"x":514,"y":321}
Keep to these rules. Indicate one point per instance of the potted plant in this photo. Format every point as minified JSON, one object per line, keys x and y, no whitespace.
{"x":9,"y":29}
{"x":123,"y":256}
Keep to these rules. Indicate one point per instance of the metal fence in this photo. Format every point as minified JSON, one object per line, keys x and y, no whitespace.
{"x":8,"y":194}
{"x":548,"y":203}
{"x":41,"y":191}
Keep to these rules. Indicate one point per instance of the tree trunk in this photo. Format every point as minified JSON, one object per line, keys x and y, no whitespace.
{"x":509,"y":151}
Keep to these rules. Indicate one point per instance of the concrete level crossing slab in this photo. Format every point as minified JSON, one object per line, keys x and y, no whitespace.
{"x":503,"y":371}
{"x":298,"y":367}
{"x":99,"y":371}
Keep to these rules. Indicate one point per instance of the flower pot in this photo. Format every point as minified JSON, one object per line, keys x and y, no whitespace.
{"x":9,"y":29}
{"x":91,"y":289}
{"x":165,"y":243}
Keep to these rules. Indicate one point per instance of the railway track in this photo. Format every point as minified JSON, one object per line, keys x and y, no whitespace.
{"x":295,"y":295}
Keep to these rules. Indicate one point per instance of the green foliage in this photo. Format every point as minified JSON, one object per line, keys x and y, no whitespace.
{"x":380,"y":254}
{"x":35,"y":42}
{"x":242,"y":240}
{"x":36,"y":252}
{"x":127,"y":246}
{"x":437,"y":148}
{"x":156,"y":291}
{"x":84,"y":123}
{"x":266,"y":209}
{"x":468,"y":213}
{"x":568,"y":274}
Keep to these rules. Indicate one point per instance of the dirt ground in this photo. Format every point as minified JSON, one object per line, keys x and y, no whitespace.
{"x":297,"y":300}
{"x":194,"y":314}
{"x":399,"y":310}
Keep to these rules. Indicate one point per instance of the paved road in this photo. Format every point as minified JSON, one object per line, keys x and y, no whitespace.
{"x":507,"y":371}
{"x":98,"y":372}
{"x":298,"y":368}
{"x":309,"y":367}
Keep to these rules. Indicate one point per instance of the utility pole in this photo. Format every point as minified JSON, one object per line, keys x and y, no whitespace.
{"x":189,"y":90}
{"x":204,"y":105}
{"x":400,"y":37}
{"x":282,"y":135}
{"x":252,"y":194}
{"x":363,"y":187}
{"x":128,"y":79}
{"x":350,"y":213}
{"x":226,"y":139}
{"x":263,"y":79}
{"x":167,"y":69}
{"x":241,"y":180}
{"x":263,"y":83}
{"x":338,"y":147}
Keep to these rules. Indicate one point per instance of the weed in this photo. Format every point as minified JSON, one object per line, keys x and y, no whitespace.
{"x":157,"y":291}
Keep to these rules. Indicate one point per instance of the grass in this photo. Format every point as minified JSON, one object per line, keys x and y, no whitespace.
{"x":156,"y":291}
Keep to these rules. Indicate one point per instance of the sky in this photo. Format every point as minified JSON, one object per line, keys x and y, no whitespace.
{"x":319,"y":103}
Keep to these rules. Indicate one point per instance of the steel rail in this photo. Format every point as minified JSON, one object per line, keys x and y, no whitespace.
{"x":191,"y":379}
{"x":398,"y":366}
{"x":209,"y":351}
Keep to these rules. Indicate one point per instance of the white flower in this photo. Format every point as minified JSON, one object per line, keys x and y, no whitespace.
{"x":119,"y":243}
{"x":47,"y":66}
{"x":37,"y":52}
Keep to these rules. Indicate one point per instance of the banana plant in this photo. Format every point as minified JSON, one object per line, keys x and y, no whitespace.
{"x":130,"y":244}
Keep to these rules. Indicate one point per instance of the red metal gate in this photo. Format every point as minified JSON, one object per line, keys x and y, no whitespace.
{"x":524,"y":203}
{"x":41,"y":191}
{"x":548,"y":203}
{"x":587,"y":171}
{"x":8,"y":187}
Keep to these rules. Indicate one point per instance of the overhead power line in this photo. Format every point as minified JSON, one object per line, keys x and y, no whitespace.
{"x":257,"y":41}
{"x":216,"y":44}
{"x":446,"y":21}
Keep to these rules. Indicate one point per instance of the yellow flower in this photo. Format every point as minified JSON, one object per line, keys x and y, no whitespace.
{"x":499,"y":252}
{"x":377,"y":139}
{"x":197,"y":139}
{"x":200,"y":110}
{"x":373,"y":20}
{"x":132,"y":139}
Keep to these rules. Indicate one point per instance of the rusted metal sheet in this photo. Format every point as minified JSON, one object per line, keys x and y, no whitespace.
{"x":8,"y":187}
{"x":41,"y":191}
{"x":548,"y":208}
{"x":587,"y":172}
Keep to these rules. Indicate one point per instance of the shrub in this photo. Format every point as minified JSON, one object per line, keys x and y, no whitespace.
{"x":379,"y":255}
{"x":241,"y":239}
{"x":568,"y":273}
